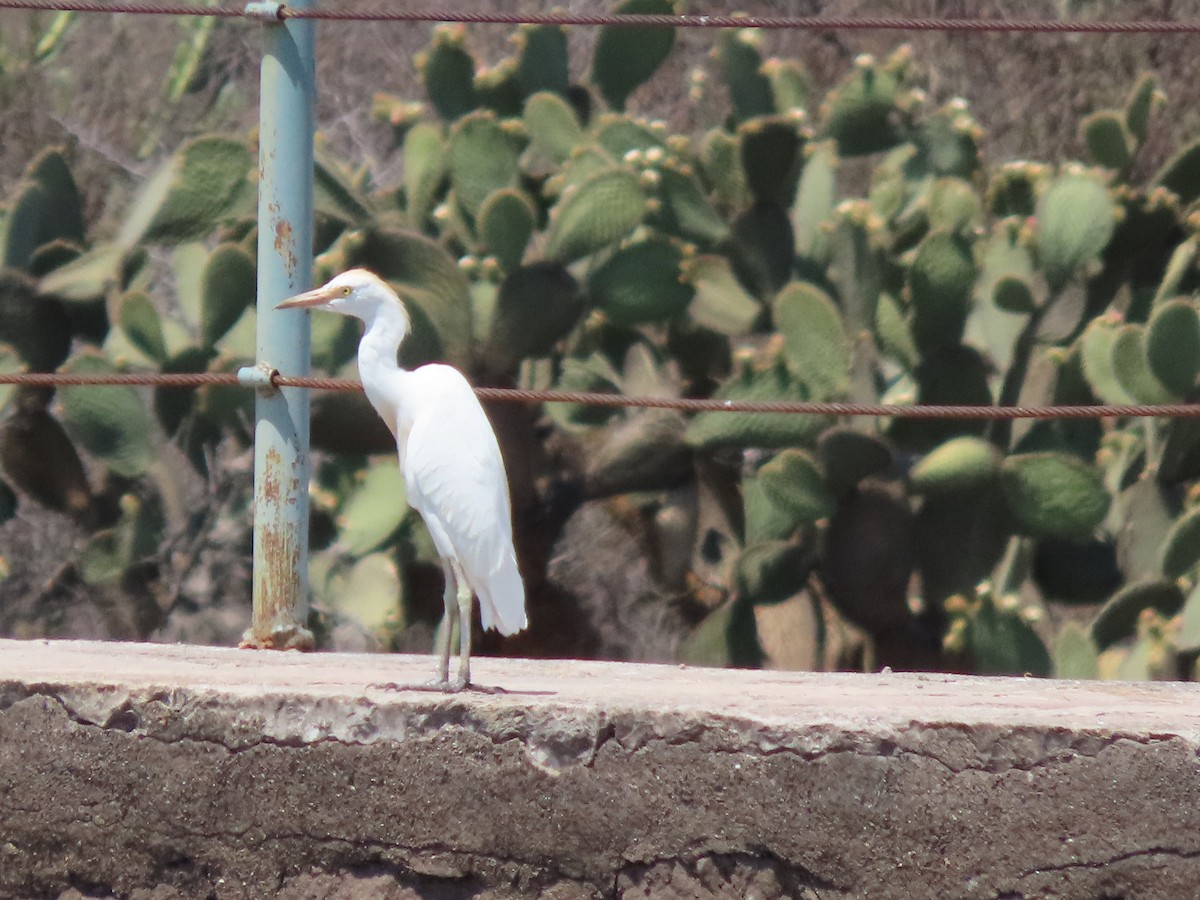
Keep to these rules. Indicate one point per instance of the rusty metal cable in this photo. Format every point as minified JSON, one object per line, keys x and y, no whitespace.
{"x":693,"y":20}
{"x":592,"y":398}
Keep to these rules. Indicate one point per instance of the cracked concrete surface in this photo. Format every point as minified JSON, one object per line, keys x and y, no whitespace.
{"x":175,"y":772}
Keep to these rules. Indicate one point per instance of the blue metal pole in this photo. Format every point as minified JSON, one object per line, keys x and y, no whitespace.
{"x":285,"y":214}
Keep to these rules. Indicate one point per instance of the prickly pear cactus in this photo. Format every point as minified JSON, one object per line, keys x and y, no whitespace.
{"x":857,"y":245}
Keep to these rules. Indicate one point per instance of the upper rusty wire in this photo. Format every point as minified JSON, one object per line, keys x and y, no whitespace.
{"x":692,"y":20}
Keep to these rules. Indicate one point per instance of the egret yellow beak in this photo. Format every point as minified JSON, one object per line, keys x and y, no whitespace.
{"x":316,"y":297}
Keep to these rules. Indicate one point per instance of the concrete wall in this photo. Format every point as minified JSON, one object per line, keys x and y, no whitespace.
{"x":160,"y":772}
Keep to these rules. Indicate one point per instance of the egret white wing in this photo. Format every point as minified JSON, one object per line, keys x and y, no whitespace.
{"x":455,"y":477}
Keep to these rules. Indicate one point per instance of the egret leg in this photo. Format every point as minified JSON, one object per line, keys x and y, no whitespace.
{"x":464,"y":629}
{"x":451,"y":611}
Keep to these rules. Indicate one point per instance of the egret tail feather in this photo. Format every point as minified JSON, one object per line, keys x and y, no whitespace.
{"x":502,"y":599}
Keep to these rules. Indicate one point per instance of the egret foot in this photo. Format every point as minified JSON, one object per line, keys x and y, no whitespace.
{"x":437,"y":687}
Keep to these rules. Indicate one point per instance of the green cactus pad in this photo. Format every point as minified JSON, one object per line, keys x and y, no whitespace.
{"x":8,"y":502}
{"x":892,"y":332}
{"x":727,"y":637}
{"x":814,"y":339}
{"x":1076,"y":217}
{"x":1118,"y":617}
{"x":1075,"y":654}
{"x":794,"y":482}
{"x":1097,"y":348}
{"x":791,"y":86}
{"x":1108,"y":141}
{"x":860,"y":112}
{"x":102,"y":559}
{"x":684,"y":209}
{"x":1179,"y":459}
{"x":448,"y":72}
{"x":948,"y":143}
{"x":641,"y":282}
{"x":542,"y":60}
{"x":848,"y":456}
{"x":955,"y":376}
{"x":138,"y":319}
{"x":172,"y":405}
{"x":187,"y":265}
{"x":954,"y":206}
{"x":1013,"y":294}
{"x":88,"y":276}
{"x":710,"y":430}
{"x":763,"y":248}
{"x":721,"y":303}
{"x":1173,"y":346}
{"x":764,"y":520}
{"x":771,"y":572}
{"x":620,"y":134}
{"x":742,"y":68}
{"x":961,"y":464}
{"x":110,"y":553}
{"x":594,"y":214}
{"x":10,"y":364}
{"x":1133,"y":369}
{"x":553,"y":128}
{"x":39,"y":459}
{"x":48,"y":208}
{"x":1181,"y":552}
{"x":1142,"y":516}
{"x":337,"y":191}
{"x":370,"y":593}
{"x":999,"y":642}
{"x":51,"y":256}
{"x":1187,"y":638}
{"x":625,"y":58}
{"x":1148,"y":226}
{"x":346,"y":423}
{"x":374,"y":510}
{"x":537,"y":307}
{"x":771,"y":156}
{"x":1180,"y":266}
{"x":191,"y":193}
{"x":1013,"y":190}
{"x":481,"y":160}
{"x":586,"y":162}
{"x":497,"y":89}
{"x":940,"y":282}
{"x":110,"y":422}
{"x":1053,"y":495}
{"x":856,"y":266}
{"x":816,"y":196}
{"x":63,"y":215}
{"x":1181,"y":173}
{"x":1141,"y":103}
{"x":507,"y":220}
{"x":720,"y":160}
{"x":1076,"y":572}
{"x":594,"y":373}
{"x":229,"y":289}
{"x":644,"y":453}
{"x":868,"y":556}
{"x":36,"y":326}
{"x":703,"y":355}
{"x":424,"y":170}
{"x":429,"y":281}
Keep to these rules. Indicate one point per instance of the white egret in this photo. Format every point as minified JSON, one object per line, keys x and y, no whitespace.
{"x":450,"y":460}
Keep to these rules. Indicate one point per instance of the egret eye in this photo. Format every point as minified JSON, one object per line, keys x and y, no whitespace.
{"x":346,"y":290}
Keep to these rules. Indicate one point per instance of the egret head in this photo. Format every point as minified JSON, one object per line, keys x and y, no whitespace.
{"x":356,"y":292}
